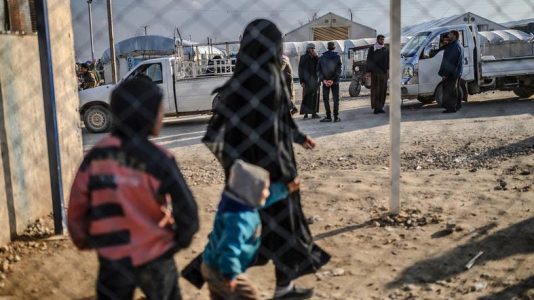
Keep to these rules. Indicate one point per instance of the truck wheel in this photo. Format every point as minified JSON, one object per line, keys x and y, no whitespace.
{"x":215,"y":102}
{"x":464,"y":91}
{"x":524,"y":92}
{"x":438,"y":95}
{"x":97,"y":119}
{"x":425,"y":100}
{"x":354,"y":88}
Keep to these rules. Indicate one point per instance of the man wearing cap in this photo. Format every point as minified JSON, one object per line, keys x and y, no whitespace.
{"x":377,"y":69}
{"x":329,"y":69}
{"x":309,"y":82}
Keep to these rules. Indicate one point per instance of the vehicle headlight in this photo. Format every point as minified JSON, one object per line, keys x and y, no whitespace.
{"x":408,"y":71}
{"x":357,"y":69}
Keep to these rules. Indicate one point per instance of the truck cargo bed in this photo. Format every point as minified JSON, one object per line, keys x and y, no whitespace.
{"x":508,"y":67}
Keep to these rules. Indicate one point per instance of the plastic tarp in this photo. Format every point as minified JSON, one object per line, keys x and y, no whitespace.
{"x":299,"y":48}
{"x":504,"y":36}
{"x":150,"y":44}
{"x":154,"y":45}
{"x":413,"y":29}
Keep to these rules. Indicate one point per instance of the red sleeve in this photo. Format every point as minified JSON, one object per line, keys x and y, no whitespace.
{"x":77,"y":214}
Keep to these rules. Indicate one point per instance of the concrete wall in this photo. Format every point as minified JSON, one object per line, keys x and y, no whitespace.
{"x":24,"y":149}
{"x":358,"y":32}
{"x":25,"y":192}
{"x":70,"y":134}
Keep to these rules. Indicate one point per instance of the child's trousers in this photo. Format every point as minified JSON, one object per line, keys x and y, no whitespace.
{"x":157,"y":279}
{"x":244,"y":290}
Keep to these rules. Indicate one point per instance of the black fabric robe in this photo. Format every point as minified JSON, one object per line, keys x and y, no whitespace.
{"x":308,"y":76}
{"x":253,"y":123}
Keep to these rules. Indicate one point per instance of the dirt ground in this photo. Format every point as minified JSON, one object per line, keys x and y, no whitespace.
{"x":466,"y":187}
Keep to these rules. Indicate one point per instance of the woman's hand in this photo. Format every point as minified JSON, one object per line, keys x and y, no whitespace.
{"x":309,"y":143}
{"x":294,"y":185}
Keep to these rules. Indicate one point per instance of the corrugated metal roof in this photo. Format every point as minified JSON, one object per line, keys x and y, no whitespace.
{"x":325,"y":15}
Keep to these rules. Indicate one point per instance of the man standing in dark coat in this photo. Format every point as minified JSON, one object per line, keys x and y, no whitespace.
{"x":309,"y":82}
{"x":329,"y":69}
{"x":377,"y":68}
{"x":451,"y":70}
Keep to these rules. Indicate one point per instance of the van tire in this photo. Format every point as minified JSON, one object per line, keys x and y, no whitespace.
{"x":523,"y":92}
{"x":97,"y":119}
{"x":425,"y":100}
{"x":438,"y":94}
{"x":215,"y":102}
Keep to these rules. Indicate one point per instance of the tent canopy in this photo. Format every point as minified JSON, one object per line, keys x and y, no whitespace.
{"x":154,"y":45}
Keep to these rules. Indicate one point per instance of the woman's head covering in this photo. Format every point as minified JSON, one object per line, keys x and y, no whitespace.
{"x":261,"y":44}
{"x":134,"y":107}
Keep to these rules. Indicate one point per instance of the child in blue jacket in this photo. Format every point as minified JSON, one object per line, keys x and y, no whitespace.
{"x":235,"y":238}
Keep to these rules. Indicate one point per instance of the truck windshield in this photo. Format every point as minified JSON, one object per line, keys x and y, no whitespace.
{"x":411,"y":48}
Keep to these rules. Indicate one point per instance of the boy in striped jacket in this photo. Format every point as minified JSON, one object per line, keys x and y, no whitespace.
{"x":130,"y":202}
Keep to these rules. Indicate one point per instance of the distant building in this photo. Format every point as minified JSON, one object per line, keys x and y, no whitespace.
{"x":526,"y":25}
{"x":329,"y":27}
{"x":483,"y":24}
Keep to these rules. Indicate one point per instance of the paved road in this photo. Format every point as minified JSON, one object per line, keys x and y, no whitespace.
{"x":356,"y":115}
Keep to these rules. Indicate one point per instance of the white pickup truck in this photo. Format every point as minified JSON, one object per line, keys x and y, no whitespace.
{"x":493,"y":60}
{"x":186,"y":85}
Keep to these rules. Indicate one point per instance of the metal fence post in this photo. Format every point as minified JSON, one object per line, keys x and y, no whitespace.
{"x":395,"y":102}
{"x":49,"y":98}
{"x":112,"y":43}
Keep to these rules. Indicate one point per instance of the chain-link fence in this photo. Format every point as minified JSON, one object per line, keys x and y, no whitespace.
{"x":297,"y":89}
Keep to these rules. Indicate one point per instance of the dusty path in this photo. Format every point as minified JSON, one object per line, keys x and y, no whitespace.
{"x":467,"y":186}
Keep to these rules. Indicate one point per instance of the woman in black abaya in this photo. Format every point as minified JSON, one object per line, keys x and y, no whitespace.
{"x":252,"y":122}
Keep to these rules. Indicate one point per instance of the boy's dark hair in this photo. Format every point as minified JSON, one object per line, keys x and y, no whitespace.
{"x":380,"y":36}
{"x":456,"y":33}
{"x":331,"y":46}
{"x":134,"y":107}
{"x":84,"y":65}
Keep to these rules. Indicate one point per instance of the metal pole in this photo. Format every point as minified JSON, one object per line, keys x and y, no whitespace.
{"x":49,"y":100}
{"x":91,"y":29}
{"x":395,"y":102}
{"x":112,"y":44}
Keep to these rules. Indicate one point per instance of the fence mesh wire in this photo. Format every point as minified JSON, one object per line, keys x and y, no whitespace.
{"x":233,"y":77}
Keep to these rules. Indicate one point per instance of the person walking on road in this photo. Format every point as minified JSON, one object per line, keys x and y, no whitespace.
{"x":377,"y":69}
{"x":309,"y":82}
{"x":329,"y":69}
{"x":451,"y":70}
{"x":253,"y":123}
